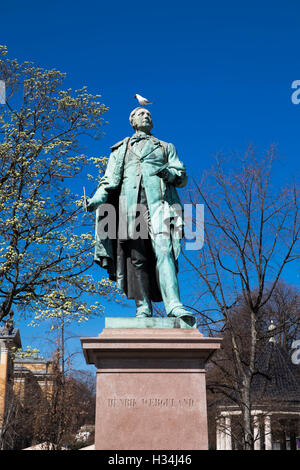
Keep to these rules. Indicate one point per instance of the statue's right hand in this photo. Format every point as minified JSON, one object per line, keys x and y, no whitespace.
{"x":91,"y":205}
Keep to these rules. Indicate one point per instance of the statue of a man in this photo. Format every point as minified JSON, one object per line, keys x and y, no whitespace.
{"x":143,"y":172}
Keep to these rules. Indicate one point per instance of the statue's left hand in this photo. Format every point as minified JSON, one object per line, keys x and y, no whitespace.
{"x":166,"y":175}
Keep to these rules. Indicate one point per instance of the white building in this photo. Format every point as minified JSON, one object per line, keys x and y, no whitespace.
{"x":275,"y":396}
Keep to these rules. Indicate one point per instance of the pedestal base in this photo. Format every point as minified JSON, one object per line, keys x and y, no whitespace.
{"x":150,"y":388}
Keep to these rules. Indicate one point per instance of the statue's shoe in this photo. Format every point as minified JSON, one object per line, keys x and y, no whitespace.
{"x":143,"y":315}
{"x":184,"y":315}
{"x":180,"y":312}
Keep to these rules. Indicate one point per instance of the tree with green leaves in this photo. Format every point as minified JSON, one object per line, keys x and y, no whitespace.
{"x":45,"y":252}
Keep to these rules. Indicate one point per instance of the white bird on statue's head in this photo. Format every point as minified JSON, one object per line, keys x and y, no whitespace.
{"x":142,"y":101}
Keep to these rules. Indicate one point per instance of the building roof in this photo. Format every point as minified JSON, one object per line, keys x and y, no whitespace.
{"x":277,"y":378}
{"x":31,"y":360}
{"x":11,"y":335}
{"x":276,"y":382}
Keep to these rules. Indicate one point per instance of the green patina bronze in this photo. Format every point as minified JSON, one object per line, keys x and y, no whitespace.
{"x":154,"y":322}
{"x":143,"y":170}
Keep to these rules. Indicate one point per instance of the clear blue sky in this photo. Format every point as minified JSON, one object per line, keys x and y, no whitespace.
{"x":220,"y":73}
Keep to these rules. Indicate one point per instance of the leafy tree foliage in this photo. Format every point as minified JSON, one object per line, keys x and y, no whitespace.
{"x":45,"y":253}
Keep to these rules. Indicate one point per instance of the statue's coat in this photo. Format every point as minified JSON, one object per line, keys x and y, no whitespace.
{"x":161,"y":196}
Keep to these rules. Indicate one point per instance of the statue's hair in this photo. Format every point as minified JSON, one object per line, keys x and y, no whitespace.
{"x":132,"y":114}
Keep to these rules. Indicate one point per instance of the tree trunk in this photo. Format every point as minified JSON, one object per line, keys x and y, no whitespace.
{"x":246,"y":413}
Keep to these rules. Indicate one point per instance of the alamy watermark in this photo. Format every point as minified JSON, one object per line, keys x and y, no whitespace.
{"x":2,"y":92}
{"x":295,"y":96}
{"x":136,"y":221}
{"x":296,"y":354}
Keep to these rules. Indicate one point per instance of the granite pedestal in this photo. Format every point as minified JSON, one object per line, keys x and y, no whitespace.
{"x":151,"y":390}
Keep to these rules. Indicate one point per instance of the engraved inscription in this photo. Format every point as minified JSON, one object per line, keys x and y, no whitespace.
{"x":151,"y":402}
{"x":159,"y":402}
{"x":122,"y":402}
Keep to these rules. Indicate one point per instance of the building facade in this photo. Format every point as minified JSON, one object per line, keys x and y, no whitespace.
{"x":275,"y":398}
{"x":22,"y":380}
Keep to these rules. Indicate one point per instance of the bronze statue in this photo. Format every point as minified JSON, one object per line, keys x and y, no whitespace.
{"x":143,"y":172}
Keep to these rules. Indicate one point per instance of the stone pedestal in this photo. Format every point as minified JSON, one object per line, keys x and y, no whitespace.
{"x":150,"y":387}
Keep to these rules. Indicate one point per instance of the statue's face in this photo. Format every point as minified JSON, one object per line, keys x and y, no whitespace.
{"x":142,"y":120}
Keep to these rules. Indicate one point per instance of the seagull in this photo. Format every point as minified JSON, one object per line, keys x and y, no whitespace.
{"x":142,"y":101}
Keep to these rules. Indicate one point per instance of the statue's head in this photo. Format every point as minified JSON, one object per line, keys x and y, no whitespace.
{"x":141,"y":120}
